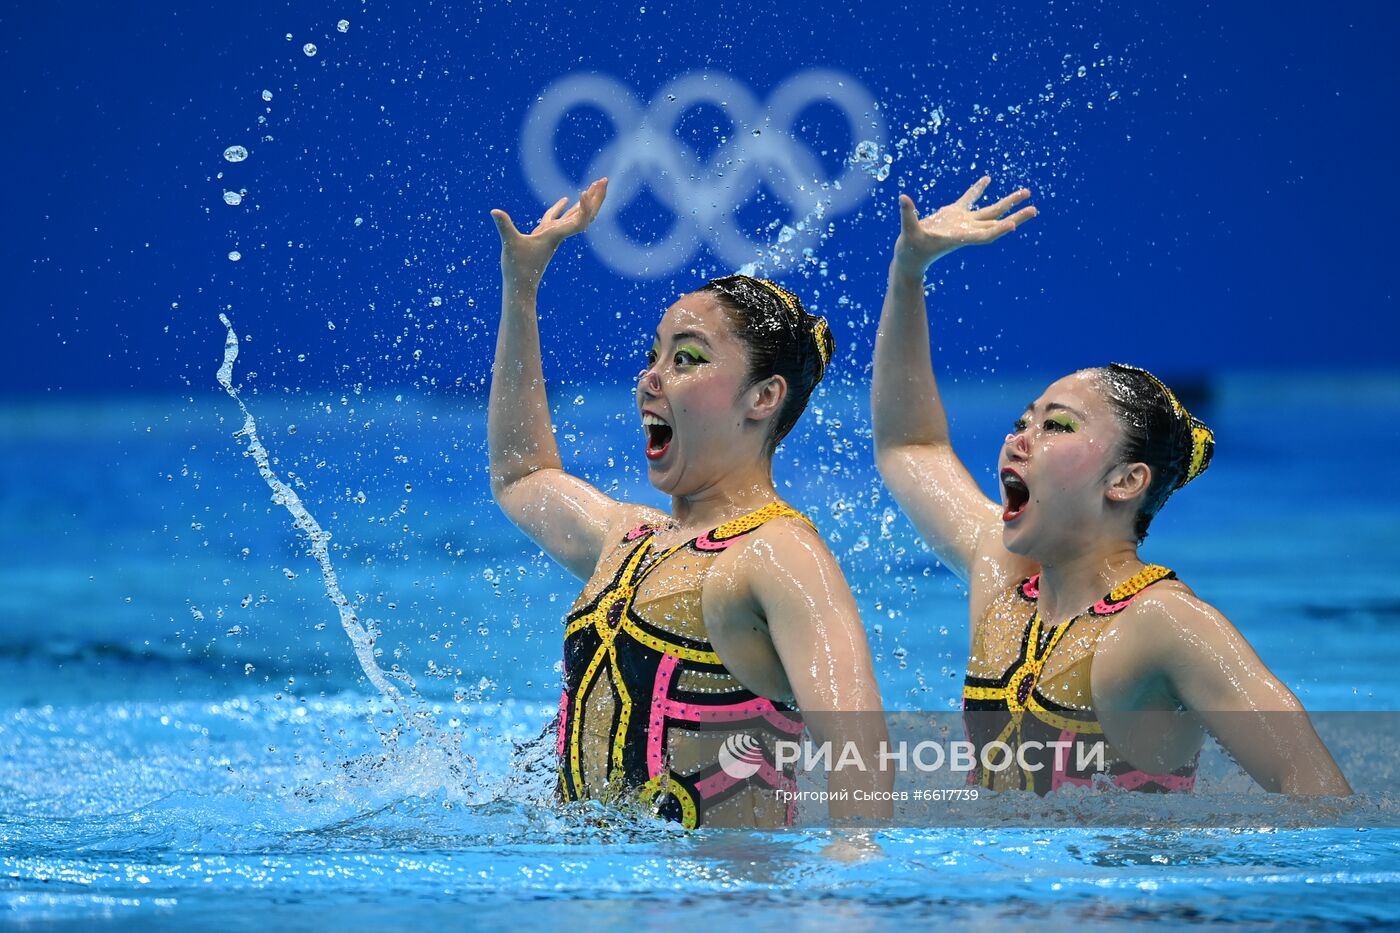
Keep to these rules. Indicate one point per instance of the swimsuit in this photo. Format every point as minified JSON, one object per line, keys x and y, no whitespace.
{"x":1016,"y":709}
{"x":649,"y":710}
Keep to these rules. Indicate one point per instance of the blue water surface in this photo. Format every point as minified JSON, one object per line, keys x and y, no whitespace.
{"x":187,"y":739}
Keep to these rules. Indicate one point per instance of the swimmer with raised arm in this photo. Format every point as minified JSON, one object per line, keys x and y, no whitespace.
{"x":700,"y":633}
{"x":1084,"y":470}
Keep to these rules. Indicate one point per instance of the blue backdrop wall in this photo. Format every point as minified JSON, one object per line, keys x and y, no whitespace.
{"x":1215,"y":180}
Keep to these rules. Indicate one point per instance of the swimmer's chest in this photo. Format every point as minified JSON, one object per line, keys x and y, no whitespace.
{"x":1004,"y":640}
{"x":698,"y":596}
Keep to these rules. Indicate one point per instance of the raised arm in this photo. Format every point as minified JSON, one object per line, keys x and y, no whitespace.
{"x":564,"y":515}
{"x":815,"y":626}
{"x":912,"y":448}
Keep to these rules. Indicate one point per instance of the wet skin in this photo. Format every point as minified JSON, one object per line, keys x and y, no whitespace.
{"x":775,"y":605}
{"x":1067,"y":512}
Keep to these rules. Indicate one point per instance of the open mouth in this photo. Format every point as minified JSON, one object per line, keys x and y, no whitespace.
{"x":1016,"y":493}
{"x":658,"y":434}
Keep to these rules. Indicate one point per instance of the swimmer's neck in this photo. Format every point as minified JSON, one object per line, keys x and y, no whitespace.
{"x":730,"y":496}
{"x":1075,"y":582}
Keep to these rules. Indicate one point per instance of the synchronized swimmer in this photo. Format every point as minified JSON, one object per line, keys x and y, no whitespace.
{"x":1075,"y":637}
{"x":707,"y":635}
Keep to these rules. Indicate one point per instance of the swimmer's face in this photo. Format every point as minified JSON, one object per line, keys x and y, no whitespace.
{"x":699,"y":415}
{"x":1056,"y":467}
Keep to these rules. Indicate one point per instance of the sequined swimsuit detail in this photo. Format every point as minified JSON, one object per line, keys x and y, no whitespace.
{"x":649,"y":709}
{"x":1013,"y":708}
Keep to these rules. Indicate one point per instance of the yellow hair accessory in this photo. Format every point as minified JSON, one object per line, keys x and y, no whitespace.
{"x":819,"y":327}
{"x":785,"y":296}
{"x":1202,"y":444}
{"x":819,"y":330}
{"x":1202,"y":438}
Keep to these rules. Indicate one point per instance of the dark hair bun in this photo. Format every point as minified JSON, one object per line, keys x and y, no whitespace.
{"x":1157,"y":431}
{"x":781,"y":337}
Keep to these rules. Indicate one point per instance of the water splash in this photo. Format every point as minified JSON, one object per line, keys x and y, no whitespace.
{"x":362,"y":636}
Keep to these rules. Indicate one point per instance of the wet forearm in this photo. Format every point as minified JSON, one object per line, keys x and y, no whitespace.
{"x":520,"y":436}
{"x":905,"y":405}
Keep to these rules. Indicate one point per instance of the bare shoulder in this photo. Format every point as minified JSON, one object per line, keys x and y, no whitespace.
{"x":1202,"y":657}
{"x":783,"y":558}
{"x":1171,"y":625}
{"x":785,"y":541}
{"x":1174,"y":608}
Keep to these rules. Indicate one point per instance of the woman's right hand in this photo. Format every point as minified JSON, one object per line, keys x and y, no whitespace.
{"x":961,"y":223}
{"x":524,"y":255}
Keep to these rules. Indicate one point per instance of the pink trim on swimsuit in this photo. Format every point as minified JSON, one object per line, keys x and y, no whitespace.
{"x":706,"y":543}
{"x":656,"y":729}
{"x":1102,"y":608}
{"x":1128,"y":780}
{"x":563,"y":719}
{"x":664,"y":708}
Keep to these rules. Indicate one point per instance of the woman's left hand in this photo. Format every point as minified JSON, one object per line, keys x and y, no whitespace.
{"x":961,"y":223}
{"x":526,"y":254}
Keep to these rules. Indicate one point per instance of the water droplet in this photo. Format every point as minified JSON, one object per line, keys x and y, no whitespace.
{"x":233,"y":198}
{"x":248,"y":669}
{"x":359,"y":220}
{"x":435,"y":301}
{"x":343,"y":25}
{"x":267,"y":95}
{"x":234,"y":255}
{"x":330,"y":325}
{"x":235,"y":154}
{"x":1081,"y":72}
{"x":309,"y":48}
{"x":408,"y":487}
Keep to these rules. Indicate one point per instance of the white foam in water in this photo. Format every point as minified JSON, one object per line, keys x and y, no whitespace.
{"x":362,"y":636}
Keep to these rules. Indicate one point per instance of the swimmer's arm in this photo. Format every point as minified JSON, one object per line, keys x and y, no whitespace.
{"x":564,"y":515}
{"x":913,"y":450}
{"x":1215,"y":673}
{"x":815,"y":625}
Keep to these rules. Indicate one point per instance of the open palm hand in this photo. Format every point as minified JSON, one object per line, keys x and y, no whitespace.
{"x":526,"y":254}
{"x":922,"y":240}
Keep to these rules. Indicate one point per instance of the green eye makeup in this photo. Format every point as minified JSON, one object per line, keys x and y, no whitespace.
{"x":694,"y":352}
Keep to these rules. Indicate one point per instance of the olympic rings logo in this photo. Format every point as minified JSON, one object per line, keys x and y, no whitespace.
{"x":704,"y":196}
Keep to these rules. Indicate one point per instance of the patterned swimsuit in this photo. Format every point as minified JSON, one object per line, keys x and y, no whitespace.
{"x":648,"y":710}
{"x":1013,"y":708}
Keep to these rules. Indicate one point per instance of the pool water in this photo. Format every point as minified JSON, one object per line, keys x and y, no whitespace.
{"x":187,"y":738}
